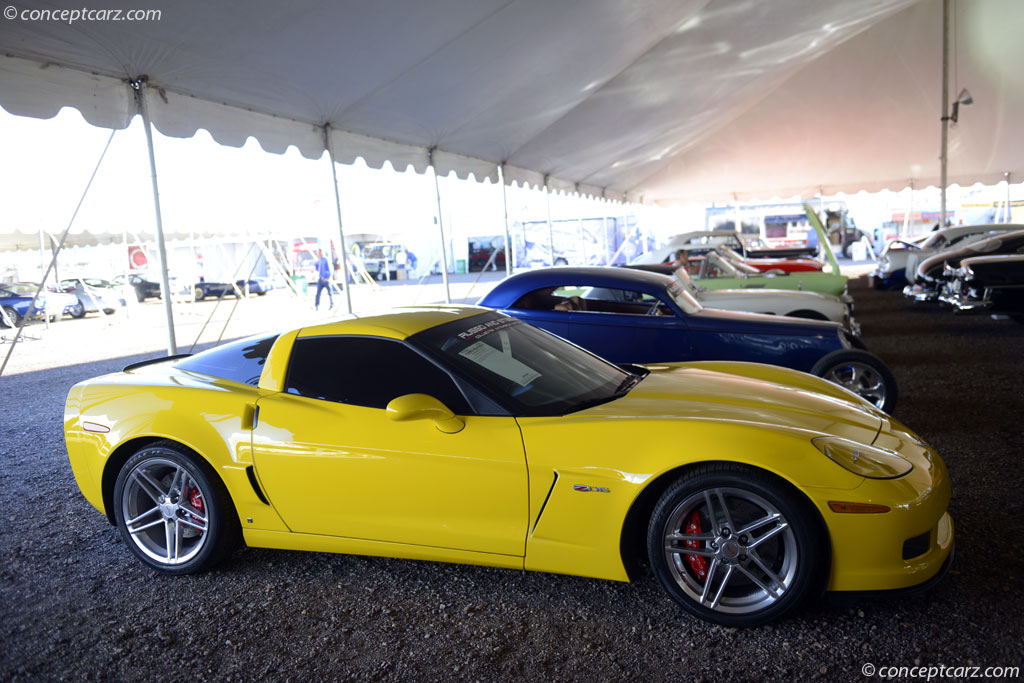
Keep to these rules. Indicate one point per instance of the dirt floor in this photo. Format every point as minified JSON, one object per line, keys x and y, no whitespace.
{"x":76,"y":605}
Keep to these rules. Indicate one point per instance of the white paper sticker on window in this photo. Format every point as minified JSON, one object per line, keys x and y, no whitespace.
{"x":499,"y":363}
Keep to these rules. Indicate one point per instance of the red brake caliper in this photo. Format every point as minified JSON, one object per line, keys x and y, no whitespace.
{"x":195,"y":499}
{"x":697,"y":563}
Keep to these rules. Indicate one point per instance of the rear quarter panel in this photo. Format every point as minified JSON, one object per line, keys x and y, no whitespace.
{"x":211,"y":417}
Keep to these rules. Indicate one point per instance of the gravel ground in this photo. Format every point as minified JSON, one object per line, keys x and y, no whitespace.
{"x":76,"y":605}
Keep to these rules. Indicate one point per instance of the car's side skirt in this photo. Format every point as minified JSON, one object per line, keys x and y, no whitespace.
{"x":283,"y":540}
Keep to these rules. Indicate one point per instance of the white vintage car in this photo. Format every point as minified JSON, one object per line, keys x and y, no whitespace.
{"x":796,"y":304}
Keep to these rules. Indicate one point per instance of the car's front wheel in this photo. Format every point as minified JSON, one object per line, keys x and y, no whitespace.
{"x":77,"y":311}
{"x":862,"y":373}
{"x":733,"y":546}
{"x":172,"y":510}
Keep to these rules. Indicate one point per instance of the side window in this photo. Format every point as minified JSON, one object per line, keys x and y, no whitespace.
{"x":621,"y":301}
{"x":366,"y":371}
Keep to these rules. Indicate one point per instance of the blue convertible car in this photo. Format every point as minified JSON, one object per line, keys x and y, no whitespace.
{"x":631,"y":316}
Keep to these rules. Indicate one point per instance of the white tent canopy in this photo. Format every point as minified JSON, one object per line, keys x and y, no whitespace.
{"x":660,"y":100}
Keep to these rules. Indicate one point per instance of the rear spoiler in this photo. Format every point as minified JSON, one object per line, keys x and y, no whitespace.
{"x":153,"y":361}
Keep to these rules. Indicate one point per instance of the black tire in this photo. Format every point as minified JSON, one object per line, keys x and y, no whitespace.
{"x":140,"y":295}
{"x":12,"y":315}
{"x":561,"y":261}
{"x":861,"y":372}
{"x":149,"y":494}
{"x":199,"y":293}
{"x":77,"y":311}
{"x":770,"y":568}
{"x":808,"y":315}
{"x":1017,"y":318}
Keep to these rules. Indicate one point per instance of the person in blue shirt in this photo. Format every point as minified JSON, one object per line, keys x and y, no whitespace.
{"x":323,"y":274}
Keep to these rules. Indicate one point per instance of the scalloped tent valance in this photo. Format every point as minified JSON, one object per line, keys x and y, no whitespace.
{"x":653,"y":100}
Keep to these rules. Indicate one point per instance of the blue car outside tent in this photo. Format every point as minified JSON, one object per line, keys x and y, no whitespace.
{"x":17,"y":298}
{"x":631,"y":316}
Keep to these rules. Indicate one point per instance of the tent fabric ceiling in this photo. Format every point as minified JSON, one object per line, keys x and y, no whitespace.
{"x":659,"y":100}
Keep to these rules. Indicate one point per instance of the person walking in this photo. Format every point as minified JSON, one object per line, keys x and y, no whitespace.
{"x":323,"y":273}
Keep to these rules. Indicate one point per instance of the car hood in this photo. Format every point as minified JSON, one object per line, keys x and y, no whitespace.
{"x":748,"y":393}
{"x":737,"y":322}
{"x":796,"y":299}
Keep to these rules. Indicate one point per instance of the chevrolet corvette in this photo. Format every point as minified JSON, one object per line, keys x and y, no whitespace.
{"x":460,"y":434}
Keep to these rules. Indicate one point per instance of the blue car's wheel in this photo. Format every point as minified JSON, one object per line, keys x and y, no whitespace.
{"x":862,"y":373}
{"x":172,"y":511}
{"x":12,"y":315}
{"x":734,"y":546}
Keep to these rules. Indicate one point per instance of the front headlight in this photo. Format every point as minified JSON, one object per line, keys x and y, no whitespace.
{"x":867,"y":461}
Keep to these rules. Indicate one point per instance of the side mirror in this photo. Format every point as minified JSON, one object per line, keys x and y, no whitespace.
{"x":424,"y":407}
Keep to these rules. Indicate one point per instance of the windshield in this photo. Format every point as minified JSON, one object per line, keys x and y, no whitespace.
{"x":686,"y":281}
{"x":528,"y":370}
{"x":737,"y":260}
{"x":22,"y":288}
{"x":683,"y":299}
{"x":718,"y":266}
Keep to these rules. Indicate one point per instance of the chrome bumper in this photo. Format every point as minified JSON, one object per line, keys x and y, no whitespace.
{"x":919,"y":293}
{"x":963,"y":303}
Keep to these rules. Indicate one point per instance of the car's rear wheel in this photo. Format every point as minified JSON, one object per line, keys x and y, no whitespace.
{"x":862,"y":373}
{"x":77,"y":311}
{"x":198,"y":293}
{"x":733,"y":546}
{"x":12,"y":315}
{"x":172,"y":511}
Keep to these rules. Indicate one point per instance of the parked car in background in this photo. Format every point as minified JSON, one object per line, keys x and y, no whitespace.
{"x":144,"y":288}
{"x":653,"y":319}
{"x":459,"y":434}
{"x":716,"y":269}
{"x":748,"y":246}
{"x":784,"y":302}
{"x":933,"y":271}
{"x":58,"y":303}
{"x":900,"y":259}
{"x":15,"y":300}
{"x":993,"y":284}
{"x":94,"y":295}
{"x":484,"y":251}
{"x":256,"y":285}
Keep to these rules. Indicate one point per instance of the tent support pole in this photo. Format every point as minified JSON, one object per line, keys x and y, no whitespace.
{"x":53,"y":260}
{"x":139,"y":86}
{"x":440,"y":228}
{"x":508,"y":234}
{"x":551,"y":229}
{"x":945,"y":110}
{"x":1008,"y":203}
{"x":341,"y":227}
{"x":42,"y":281}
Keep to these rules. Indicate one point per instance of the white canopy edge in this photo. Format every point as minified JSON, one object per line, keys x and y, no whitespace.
{"x":41,"y":90}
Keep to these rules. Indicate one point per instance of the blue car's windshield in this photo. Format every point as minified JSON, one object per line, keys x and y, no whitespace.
{"x":529,"y":371}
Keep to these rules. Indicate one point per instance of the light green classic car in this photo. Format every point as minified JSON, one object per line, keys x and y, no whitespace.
{"x":720,"y":270}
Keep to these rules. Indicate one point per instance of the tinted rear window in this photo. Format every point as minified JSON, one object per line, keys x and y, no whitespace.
{"x":241,"y":361}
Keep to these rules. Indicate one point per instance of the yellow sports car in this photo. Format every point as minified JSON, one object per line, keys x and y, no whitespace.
{"x":459,"y":434}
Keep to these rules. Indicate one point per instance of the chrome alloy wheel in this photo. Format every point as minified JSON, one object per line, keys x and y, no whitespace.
{"x":730,"y":550}
{"x":165,"y":511}
{"x":861,"y":379}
